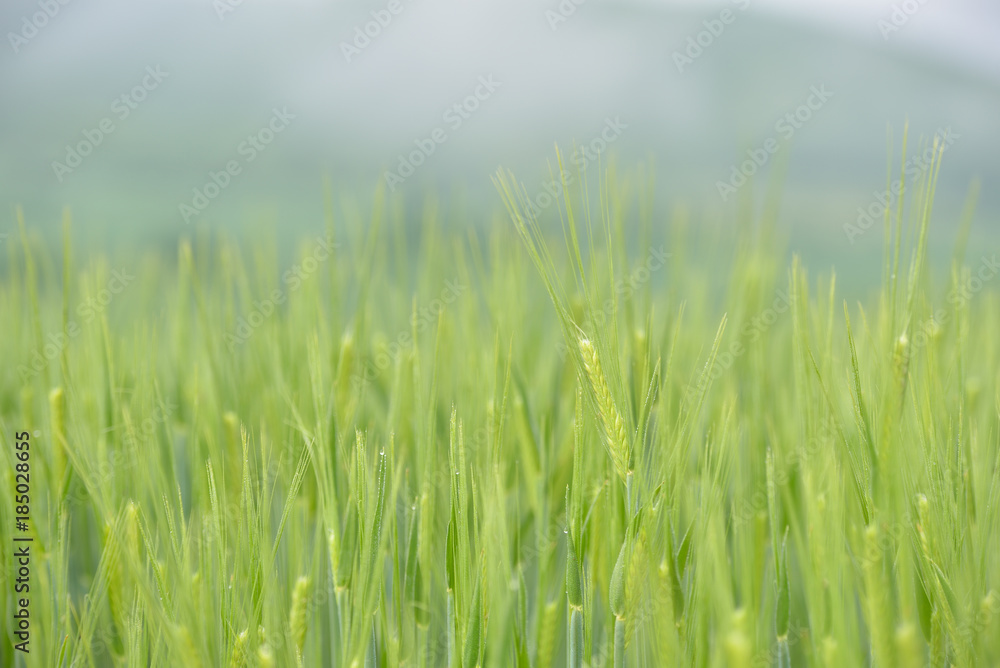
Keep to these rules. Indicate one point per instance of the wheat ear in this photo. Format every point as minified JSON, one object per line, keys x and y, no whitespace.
{"x":614,"y":426}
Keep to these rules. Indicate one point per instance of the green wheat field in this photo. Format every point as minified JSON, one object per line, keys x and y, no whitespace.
{"x":583,"y":436}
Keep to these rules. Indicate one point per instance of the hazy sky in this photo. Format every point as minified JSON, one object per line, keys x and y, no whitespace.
{"x":354,"y":117}
{"x":961,"y":29}
{"x":966,"y":31}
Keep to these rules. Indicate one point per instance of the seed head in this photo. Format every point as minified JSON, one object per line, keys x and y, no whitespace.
{"x":297,"y":622}
{"x":616,"y":438}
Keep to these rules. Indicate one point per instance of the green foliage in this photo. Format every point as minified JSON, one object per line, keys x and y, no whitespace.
{"x":506,"y":445}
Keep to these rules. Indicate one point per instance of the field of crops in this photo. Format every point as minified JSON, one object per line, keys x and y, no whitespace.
{"x":583,"y":436}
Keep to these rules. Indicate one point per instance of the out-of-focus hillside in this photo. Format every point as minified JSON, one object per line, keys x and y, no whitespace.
{"x":561,"y":73}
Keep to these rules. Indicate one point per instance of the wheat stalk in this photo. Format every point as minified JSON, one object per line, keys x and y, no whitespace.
{"x":297,"y":619}
{"x":616,"y":438}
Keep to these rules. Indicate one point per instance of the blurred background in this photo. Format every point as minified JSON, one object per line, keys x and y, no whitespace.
{"x":148,"y":119}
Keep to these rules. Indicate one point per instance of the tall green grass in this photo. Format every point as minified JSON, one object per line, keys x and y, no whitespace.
{"x":537,"y":442}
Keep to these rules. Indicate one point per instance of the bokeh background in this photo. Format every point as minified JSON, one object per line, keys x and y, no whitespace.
{"x":563,"y":69}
